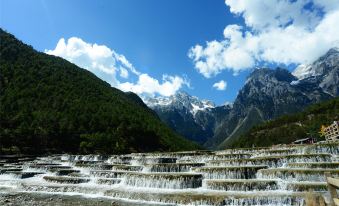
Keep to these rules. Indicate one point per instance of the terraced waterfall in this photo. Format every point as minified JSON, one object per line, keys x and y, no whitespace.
{"x":259,"y":176}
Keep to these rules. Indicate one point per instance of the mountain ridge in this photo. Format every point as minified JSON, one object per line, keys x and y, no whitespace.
{"x":267,"y":94}
{"x":51,"y":105}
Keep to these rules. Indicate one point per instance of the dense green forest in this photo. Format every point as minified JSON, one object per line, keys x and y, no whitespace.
{"x":50,"y":105}
{"x":289,"y":128}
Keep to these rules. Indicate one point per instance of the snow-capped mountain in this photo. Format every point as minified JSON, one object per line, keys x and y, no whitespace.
{"x":323,"y":72}
{"x":180,"y":100}
{"x":188,"y":115}
{"x":319,"y":67}
{"x":267,"y":94}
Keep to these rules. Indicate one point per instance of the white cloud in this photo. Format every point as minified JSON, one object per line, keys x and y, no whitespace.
{"x":150,"y":86}
{"x":123,"y":72}
{"x":277,"y":31}
{"x":106,"y":63}
{"x":126,"y":64}
{"x":98,"y":59}
{"x":221,"y":85}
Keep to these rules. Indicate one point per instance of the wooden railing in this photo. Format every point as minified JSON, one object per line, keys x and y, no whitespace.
{"x":332,"y":185}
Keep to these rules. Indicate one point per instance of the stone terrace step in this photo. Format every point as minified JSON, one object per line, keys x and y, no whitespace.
{"x":66,"y":179}
{"x":242,"y":150}
{"x":121,"y":167}
{"x":152,"y":160}
{"x":97,"y":166}
{"x":16,"y":158}
{"x":306,"y":186}
{"x":48,"y":167}
{"x":172,"y":167}
{"x":78,"y":174}
{"x":43,"y":164}
{"x":23,"y":175}
{"x":73,"y":158}
{"x":122,"y":159}
{"x":241,"y":184}
{"x":2,"y":171}
{"x":293,"y":174}
{"x":272,"y":161}
{"x":108,"y":181}
{"x":196,"y":197}
{"x":196,"y":153}
{"x":328,"y":147}
{"x":230,"y":172}
{"x":109,"y":173}
{"x":64,"y":188}
{"x":319,"y":165}
{"x":231,"y":156}
{"x":164,"y":180}
{"x":89,"y":162}
{"x":277,"y":152}
{"x":61,"y":172}
{"x":12,"y":166}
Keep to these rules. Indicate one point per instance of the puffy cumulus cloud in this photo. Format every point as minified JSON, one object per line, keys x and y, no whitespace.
{"x":277,"y":31}
{"x":150,"y":86}
{"x":221,"y":85}
{"x":260,"y":14}
{"x":99,"y":59}
{"x":106,"y":64}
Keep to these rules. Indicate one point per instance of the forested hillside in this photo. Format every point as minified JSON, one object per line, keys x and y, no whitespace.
{"x":289,"y":128}
{"x":51,"y":105}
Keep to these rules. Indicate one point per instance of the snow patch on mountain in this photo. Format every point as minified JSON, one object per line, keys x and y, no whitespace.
{"x":295,"y":82}
{"x":158,"y":101}
{"x":304,"y":71}
{"x":317,"y":68}
{"x":205,"y":105}
{"x":180,"y":100}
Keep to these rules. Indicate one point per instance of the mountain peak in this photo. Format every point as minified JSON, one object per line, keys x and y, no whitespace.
{"x":318,"y":67}
{"x":332,"y":51}
{"x":190,"y":116}
{"x":266,"y":74}
{"x":179,"y":100}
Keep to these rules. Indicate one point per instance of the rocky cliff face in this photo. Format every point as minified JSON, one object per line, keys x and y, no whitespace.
{"x":267,"y":94}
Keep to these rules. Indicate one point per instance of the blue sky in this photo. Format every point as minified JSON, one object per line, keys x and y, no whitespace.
{"x":194,"y":43}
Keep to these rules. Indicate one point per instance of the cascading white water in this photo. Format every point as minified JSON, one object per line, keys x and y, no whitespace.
{"x":172,"y":167}
{"x":241,"y":185}
{"x":231,"y":172}
{"x":258,"y":176}
{"x":164,"y":180}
